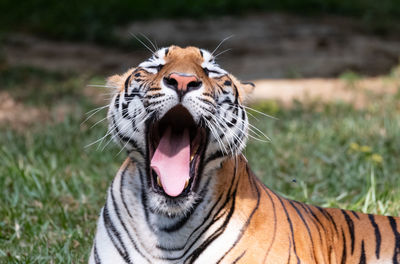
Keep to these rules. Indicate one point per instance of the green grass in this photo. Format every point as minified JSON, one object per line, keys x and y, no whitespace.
{"x":53,"y":187}
{"x":333,"y":155}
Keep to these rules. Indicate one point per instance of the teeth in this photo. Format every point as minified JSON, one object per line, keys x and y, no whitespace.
{"x":159,"y":181}
{"x":191,"y":157}
{"x":196,"y":147}
{"x":186,"y":183}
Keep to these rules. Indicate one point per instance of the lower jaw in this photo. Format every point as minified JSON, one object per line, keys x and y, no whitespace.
{"x":171,"y":207}
{"x":192,"y":184}
{"x":195,"y":172}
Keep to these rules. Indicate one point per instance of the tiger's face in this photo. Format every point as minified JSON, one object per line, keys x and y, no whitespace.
{"x":179,"y":115}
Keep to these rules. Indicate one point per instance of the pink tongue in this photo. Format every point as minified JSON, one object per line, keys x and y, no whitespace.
{"x":171,"y":161}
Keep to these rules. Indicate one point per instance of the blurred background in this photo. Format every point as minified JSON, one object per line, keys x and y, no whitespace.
{"x":328,"y":70}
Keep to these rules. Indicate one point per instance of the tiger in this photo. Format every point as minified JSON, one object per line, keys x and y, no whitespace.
{"x":186,"y":194}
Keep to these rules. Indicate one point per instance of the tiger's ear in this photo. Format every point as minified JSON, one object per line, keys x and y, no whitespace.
{"x":117,"y":81}
{"x":114,"y":81}
{"x":245,"y":88}
{"x":248,"y":87}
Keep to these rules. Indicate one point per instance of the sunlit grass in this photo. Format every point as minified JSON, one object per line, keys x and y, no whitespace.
{"x":333,"y":155}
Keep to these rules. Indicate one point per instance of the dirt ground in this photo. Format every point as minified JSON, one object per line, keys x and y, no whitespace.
{"x":357,"y":92}
{"x":269,"y":49}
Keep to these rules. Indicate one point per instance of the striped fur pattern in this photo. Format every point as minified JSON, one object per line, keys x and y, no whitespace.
{"x":231,"y":217}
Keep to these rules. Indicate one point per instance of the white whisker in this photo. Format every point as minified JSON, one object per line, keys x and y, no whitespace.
{"x":138,"y":39}
{"x":102,"y":86}
{"x":95,"y":111}
{"x":152,"y":44}
{"x":98,"y":122}
{"x":215,"y":133}
{"x":225,"y":39}
{"x":222,"y":52}
{"x":261,"y":113}
{"x":138,"y":124}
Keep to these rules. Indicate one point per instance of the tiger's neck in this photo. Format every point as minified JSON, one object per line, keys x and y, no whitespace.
{"x":160,"y":236}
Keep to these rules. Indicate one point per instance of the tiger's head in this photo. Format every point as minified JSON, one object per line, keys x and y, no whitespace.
{"x":179,"y":115}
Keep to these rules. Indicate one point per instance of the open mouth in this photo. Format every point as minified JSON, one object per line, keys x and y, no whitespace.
{"x":176,"y":148}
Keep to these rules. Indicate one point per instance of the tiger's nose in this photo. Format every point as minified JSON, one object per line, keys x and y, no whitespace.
{"x":182,"y":83}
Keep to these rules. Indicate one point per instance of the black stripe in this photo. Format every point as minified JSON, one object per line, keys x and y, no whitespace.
{"x":122,"y":191}
{"x":350,"y":224}
{"x":252,"y":84}
{"x":377,"y":235}
{"x":194,"y":231}
{"x":154,"y":96}
{"x":318,"y":225}
{"x":153,"y":89}
{"x":125,"y":139}
{"x":236,"y":140}
{"x":227,"y":83}
{"x":243,"y":229}
{"x":363,"y":258}
{"x":328,"y":217}
{"x":96,"y":254}
{"x":236,"y":94}
{"x":198,"y":251}
{"x":355,"y":214}
{"x":214,"y":218}
{"x":227,"y":101}
{"x":213,"y":71}
{"x":124,"y":111}
{"x":127,"y":84}
{"x":223,"y":91}
{"x":243,"y":113}
{"x":144,"y":201}
{"x":116,"y":210}
{"x":291,"y":228}
{"x":290,"y":249}
{"x":232,"y":123}
{"x":306,"y":225}
{"x":153,"y":104}
{"x":130,"y":141}
{"x":116,"y":102}
{"x":239,"y":257}
{"x":266,"y":190}
{"x":114,"y":235}
{"x":179,"y":224}
{"x":208,"y":95}
{"x":214,"y":156}
{"x":344,"y":252}
{"x":155,"y":66}
{"x":396,"y":254}
{"x":207,"y":102}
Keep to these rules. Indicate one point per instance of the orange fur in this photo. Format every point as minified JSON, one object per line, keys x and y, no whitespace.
{"x":269,"y":237}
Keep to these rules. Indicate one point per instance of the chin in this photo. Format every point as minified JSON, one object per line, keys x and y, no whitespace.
{"x":172,"y":206}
